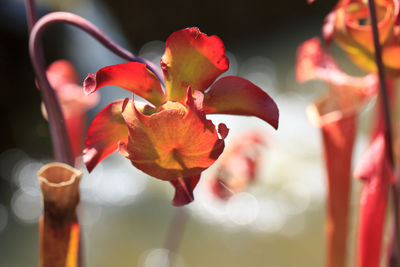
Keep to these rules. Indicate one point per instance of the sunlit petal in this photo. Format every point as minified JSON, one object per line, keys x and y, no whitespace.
{"x":192,"y":59}
{"x":177,"y":141}
{"x":238,"y":96}
{"x":106,"y":130}
{"x":132,"y":76}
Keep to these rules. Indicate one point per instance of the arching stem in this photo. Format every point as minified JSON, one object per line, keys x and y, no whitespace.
{"x":88,"y":27}
{"x":31,"y":16}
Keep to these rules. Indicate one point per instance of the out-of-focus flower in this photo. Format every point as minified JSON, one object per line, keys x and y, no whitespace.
{"x":171,"y":139}
{"x":376,"y":172}
{"x":74,"y":103}
{"x":238,"y":165}
{"x":349,"y":25}
{"x":335,"y":113}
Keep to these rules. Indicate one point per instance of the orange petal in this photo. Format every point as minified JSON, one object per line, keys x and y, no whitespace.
{"x":237,"y":96}
{"x":193,"y":59}
{"x":374,"y":169}
{"x":104,"y":133}
{"x":176,"y":142}
{"x":184,"y":189}
{"x":132,"y":76}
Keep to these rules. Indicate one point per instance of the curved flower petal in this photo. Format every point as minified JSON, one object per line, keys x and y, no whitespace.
{"x":104,"y":133}
{"x":176,"y":142}
{"x":184,"y":189}
{"x":132,"y":76}
{"x":193,"y":59}
{"x":237,"y":96}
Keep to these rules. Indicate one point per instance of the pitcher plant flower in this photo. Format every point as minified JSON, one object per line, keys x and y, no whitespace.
{"x":335,"y":113}
{"x":349,"y":25}
{"x":238,"y":165}
{"x":170,"y":137}
{"x":74,"y":103}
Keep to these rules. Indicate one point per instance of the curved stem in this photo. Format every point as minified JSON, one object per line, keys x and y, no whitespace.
{"x":31,"y":16}
{"x":61,"y":144}
{"x":383,"y":91}
{"x":88,"y":27}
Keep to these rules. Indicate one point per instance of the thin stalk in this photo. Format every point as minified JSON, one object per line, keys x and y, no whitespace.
{"x":31,"y":16}
{"x":96,"y":33}
{"x":174,"y":235}
{"x":383,"y":91}
{"x":62,"y":151}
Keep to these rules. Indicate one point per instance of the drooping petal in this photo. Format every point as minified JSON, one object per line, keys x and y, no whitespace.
{"x":184,"y":189}
{"x":377,"y":174}
{"x":176,"y":142}
{"x":238,"y":96}
{"x":59,"y":229}
{"x":193,"y":59}
{"x":106,"y":130}
{"x":132,"y":76}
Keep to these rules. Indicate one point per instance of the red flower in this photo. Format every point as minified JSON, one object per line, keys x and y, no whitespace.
{"x":238,"y":166}
{"x":74,"y":104}
{"x":349,"y":25}
{"x":171,"y":139}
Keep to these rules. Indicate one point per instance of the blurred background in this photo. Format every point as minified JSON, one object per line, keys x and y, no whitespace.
{"x":125,"y":215}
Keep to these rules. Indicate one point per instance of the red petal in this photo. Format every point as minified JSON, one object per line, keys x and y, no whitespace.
{"x":237,"y":96}
{"x":106,"y":130}
{"x":374,"y":169}
{"x":193,"y":59}
{"x":176,"y":142}
{"x":132,"y":76}
{"x":184,"y":189}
